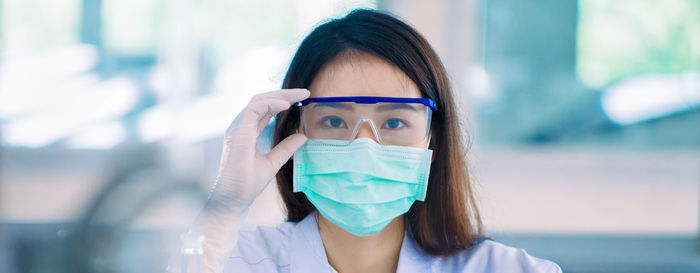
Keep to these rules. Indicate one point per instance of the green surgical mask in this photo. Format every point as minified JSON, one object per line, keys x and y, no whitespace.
{"x":361,"y":186}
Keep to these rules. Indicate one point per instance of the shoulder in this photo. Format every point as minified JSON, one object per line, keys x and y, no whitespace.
{"x":261,"y":249}
{"x":491,"y":256}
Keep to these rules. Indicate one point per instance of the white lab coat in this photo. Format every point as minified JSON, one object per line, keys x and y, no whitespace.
{"x":297,"y":248}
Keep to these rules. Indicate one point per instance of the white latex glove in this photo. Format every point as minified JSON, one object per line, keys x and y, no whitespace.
{"x":244,"y":173}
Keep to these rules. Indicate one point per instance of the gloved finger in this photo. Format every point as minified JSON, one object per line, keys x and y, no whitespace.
{"x":260,"y":110}
{"x":244,"y":131}
{"x":259,"y":102}
{"x":264,"y":121}
{"x":290,"y":95}
{"x":284,"y":150}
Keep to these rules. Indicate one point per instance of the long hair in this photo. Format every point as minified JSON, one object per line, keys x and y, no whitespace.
{"x":448,"y":220}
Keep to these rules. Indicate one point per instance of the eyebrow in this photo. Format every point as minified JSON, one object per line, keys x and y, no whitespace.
{"x":344,"y":106}
{"x":394,"y":106}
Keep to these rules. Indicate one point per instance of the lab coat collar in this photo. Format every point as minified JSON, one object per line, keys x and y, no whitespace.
{"x":412,"y":258}
{"x":310,"y":255}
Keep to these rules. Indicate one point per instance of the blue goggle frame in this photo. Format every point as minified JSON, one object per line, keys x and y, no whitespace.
{"x":369,"y":100}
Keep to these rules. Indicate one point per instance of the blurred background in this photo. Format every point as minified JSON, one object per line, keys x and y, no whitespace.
{"x":584,"y":119}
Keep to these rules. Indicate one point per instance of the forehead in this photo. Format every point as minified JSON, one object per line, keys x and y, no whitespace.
{"x":362,"y":74}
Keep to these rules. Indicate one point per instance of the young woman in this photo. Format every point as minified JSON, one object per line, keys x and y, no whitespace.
{"x":369,"y":161}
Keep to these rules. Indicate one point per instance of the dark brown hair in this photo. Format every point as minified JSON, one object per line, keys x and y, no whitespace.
{"x":448,"y":220}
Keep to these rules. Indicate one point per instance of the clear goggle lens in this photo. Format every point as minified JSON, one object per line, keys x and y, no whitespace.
{"x":392,"y":123}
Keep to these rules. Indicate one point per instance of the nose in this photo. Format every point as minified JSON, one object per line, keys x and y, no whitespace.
{"x":365,"y":131}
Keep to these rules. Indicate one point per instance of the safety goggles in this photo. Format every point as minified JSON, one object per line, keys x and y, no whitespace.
{"x":394,"y":121}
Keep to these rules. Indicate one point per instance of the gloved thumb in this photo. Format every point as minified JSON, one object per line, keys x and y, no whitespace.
{"x":281,"y":153}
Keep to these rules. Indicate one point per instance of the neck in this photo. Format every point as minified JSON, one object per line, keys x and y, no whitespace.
{"x":348,"y":253}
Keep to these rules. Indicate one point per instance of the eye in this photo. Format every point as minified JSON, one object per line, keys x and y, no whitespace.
{"x":333,"y":122}
{"x":394,"y":123}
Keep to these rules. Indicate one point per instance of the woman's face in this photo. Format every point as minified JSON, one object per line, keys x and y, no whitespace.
{"x":363,"y":74}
